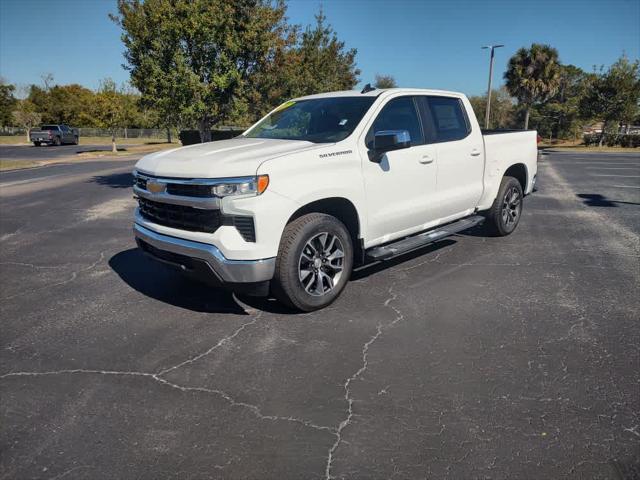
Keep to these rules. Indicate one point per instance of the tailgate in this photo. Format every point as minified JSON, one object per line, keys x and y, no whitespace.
{"x":39,"y":135}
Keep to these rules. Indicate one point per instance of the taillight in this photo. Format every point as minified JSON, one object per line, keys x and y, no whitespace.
{"x":49,"y":132}
{"x":538,"y":139}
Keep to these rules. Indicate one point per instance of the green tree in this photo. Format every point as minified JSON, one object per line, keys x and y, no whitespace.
{"x":321,"y":62}
{"x":7,"y":103}
{"x":41,"y":101}
{"x":533,"y":76}
{"x":26,"y":115}
{"x":191,"y":59}
{"x":613,"y":96}
{"x":70,"y":104}
{"x":503,"y":113}
{"x":560,"y":116}
{"x":385,"y":81}
{"x":112,"y":109}
{"x":303,"y":63}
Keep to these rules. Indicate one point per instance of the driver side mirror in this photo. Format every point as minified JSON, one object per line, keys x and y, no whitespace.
{"x":388,"y":140}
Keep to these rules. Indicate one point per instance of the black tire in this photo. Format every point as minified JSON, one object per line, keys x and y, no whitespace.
{"x":75,"y":140}
{"x":504,"y":215}
{"x":304,"y":247}
{"x":37,"y":144}
{"x":57,"y":142}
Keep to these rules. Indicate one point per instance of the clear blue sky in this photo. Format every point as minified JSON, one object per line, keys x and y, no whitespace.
{"x":432,"y":44}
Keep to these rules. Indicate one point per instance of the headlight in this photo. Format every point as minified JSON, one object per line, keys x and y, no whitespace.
{"x":241,"y":186}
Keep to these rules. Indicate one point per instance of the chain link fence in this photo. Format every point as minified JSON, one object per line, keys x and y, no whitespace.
{"x":151,"y":133}
{"x":8,"y":131}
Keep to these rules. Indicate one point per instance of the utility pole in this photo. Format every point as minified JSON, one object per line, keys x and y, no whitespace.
{"x":488,"y":109}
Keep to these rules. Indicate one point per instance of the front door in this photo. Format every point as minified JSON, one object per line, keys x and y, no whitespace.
{"x":401,"y":188}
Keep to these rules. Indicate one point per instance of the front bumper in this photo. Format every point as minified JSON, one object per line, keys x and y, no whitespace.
{"x":189,"y":255}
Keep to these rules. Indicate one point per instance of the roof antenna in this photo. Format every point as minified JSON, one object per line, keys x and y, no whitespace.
{"x":368,"y":88}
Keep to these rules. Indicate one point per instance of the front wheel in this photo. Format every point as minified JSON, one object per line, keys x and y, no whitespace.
{"x":504,"y":215}
{"x":75,"y":140}
{"x":314,"y":262}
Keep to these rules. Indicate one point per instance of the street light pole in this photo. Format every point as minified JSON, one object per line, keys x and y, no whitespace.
{"x":488,"y":109}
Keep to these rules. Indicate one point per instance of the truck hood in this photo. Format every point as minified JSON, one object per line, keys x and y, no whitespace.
{"x":236,"y":157}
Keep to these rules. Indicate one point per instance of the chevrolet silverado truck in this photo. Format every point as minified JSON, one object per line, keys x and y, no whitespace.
{"x":54,"y":135}
{"x":326,"y":182}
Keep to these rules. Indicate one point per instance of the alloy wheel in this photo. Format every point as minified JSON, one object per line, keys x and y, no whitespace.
{"x":321,"y":264}
{"x":511,"y":207}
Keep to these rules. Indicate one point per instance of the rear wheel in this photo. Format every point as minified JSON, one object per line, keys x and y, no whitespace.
{"x":37,"y":144}
{"x":57,"y":142}
{"x":314,"y":262}
{"x":504,"y":215}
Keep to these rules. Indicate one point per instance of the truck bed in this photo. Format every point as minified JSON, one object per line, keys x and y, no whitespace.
{"x":498,"y":131}
{"x":508,"y":147}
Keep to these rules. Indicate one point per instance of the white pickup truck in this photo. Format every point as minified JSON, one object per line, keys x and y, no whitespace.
{"x":326,"y":182}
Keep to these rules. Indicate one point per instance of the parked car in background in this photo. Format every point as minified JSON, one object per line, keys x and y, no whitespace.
{"x":326,"y":182}
{"x":54,"y":135}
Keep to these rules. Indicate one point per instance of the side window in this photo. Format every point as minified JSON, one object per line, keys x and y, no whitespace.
{"x":449,"y":119}
{"x":64,"y":128}
{"x":399,"y":114}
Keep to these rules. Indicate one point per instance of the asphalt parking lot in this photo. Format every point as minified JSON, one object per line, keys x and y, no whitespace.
{"x":33,"y":153}
{"x":476,"y":357}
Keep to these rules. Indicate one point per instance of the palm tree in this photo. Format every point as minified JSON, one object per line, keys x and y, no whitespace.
{"x":533,"y":76}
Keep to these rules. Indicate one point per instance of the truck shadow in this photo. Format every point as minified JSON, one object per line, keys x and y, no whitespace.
{"x":373,"y":268}
{"x":115,"y":180}
{"x":160,"y":282}
{"x":597,"y":200}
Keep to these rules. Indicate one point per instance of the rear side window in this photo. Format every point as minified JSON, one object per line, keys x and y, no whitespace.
{"x":449,"y":119}
{"x":399,"y":114}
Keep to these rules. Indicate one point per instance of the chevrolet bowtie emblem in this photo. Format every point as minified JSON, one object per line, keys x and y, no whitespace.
{"x":156,"y":187}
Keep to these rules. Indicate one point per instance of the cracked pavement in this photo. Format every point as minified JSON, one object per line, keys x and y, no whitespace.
{"x":476,"y":357}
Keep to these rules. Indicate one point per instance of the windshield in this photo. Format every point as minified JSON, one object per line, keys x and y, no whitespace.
{"x":49,"y":127}
{"x":322,"y":120}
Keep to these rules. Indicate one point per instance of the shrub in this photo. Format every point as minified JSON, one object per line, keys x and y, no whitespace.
{"x":613,"y":140}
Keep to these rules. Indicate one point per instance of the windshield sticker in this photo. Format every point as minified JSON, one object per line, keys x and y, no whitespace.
{"x":343,"y":122}
{"x":284,"y":106}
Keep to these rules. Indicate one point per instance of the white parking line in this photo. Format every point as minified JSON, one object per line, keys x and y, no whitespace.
{"x":621,"y":186}
{"x":613,"y":175}
{"x":30,"y":180}
{"x":605,"y":163}
{"x":613,"y":168}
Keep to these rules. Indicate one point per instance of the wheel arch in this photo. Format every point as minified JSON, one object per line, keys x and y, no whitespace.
{"x":341,"y":208}
{"x":519,"y":172}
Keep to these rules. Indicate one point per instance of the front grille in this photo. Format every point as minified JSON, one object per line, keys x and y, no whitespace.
{"x":187,"y":190}
{"x":245,"y":226}
{"x":180,"y":216}
{"x":181,"y":189}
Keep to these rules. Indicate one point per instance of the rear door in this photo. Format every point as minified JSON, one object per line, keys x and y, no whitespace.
{"x":460,"y":152}
{"x":67,"y":135}
{"x":401,"y":188}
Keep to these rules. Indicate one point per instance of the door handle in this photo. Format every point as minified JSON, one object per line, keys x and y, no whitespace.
{"x":475,"y":152}
{"x":426,"y":159}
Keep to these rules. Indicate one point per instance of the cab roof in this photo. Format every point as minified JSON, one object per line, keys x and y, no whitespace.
{"x":377,"y":91}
